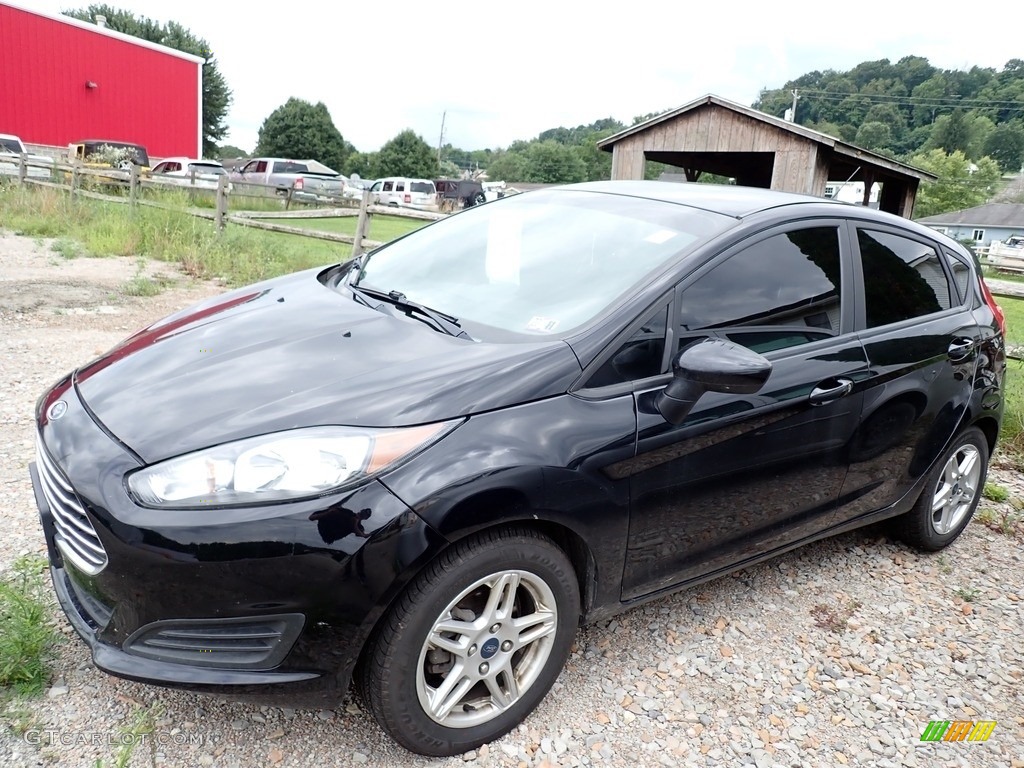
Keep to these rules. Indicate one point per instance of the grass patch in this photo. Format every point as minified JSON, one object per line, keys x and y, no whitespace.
{"x":67,"y":248}
{"x":382,"y":228}
{"x":26,"y":635}
{"x":967,"y":594}
{"x":994,"y":492}
{"x":239,"y":255}
{"x":1013,"y":310}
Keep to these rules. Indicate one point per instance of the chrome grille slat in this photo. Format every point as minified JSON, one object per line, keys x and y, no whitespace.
{"x":75,"y":536}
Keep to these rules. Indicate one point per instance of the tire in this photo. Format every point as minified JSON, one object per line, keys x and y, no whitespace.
{"x":950,"y":496}
{"x":495,"y":674}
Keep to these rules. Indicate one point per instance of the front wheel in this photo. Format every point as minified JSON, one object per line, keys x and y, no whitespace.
{"x":950,"y":495}
{"x":474,"y":643}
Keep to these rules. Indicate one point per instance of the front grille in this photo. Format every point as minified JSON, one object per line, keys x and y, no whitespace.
{"x":75,"y":536}
{"x":240,"y":643}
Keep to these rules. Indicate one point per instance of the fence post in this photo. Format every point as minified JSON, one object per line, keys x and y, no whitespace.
{"x":222,"y":201}
{"x":362,"y":224}
{"x":133,"y":184}
{"x":288,"y":197}
{"x":192,"y":186}
{"x":75,"y":177}
{"x":22,"y":167}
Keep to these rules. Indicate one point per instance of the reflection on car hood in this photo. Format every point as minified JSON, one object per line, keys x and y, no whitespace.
{"x":292,"y":353}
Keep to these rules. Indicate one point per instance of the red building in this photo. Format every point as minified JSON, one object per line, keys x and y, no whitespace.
{"x":64,"y":80}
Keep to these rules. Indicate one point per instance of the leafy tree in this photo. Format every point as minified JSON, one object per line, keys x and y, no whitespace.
{"x":1005,"y":145}
{"x":875,"y":136}
{"x":552,"y":163}
{"x":406,"y":155}
{"x":360,"y":164}
{"x":216,"y":94}
{"x":958,"y":187}
{"x":302,"y":130}
{"x":507,"y":166}
{"x":889,"y":114}
{"x":229,"y":152}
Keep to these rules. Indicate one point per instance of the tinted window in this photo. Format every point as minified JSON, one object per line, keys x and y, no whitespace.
{"x":10,"y":145}
{"x":787,"y":287}
{"x":903,"y":278}
{"x":388,"y":186}
{"x":639,"y":356}
{"x":422,"y":186}
{"x":961,"y":276}
{"x":399,"y":186}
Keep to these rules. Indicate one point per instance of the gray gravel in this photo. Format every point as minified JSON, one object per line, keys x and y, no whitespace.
{"x":837,"y":654}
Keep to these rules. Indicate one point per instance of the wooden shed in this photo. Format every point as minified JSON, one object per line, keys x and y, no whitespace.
{"x":715,"y":135}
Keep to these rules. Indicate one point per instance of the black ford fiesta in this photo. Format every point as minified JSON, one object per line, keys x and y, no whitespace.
{"x":425,"y":467}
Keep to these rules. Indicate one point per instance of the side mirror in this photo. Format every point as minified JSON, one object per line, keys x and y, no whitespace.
{"x":714,"y":365}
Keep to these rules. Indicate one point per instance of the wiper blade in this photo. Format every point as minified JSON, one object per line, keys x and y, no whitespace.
{"x":442,"y":321}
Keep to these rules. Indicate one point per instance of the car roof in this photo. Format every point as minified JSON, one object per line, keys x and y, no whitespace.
{"x":721,"y":198}
{"x":189,"y":160}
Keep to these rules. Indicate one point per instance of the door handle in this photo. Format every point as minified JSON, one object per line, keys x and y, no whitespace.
{"x":821,"y":395}
{"x":960,"y":348}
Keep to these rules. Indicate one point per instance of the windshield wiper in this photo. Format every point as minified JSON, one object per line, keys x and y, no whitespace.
{"x":443,"y":322}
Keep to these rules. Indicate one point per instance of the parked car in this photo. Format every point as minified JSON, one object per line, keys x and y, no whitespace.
{"x":403,"y":192}
{"x":439,"y":458}
{"x":11,"y":149}
{"x":307,"y":179}
{"x":464,"y":193}
{"x":88,"y":150}
{"x":189,"y":172}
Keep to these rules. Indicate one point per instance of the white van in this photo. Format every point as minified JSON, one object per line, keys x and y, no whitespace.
{"x":404,"y":192}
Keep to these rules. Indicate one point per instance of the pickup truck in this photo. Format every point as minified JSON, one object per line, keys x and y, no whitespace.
{"x":308,"y":179}
{"x":11,"y":149}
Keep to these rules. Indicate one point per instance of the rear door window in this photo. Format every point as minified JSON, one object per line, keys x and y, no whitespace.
{"x":903,"y":278}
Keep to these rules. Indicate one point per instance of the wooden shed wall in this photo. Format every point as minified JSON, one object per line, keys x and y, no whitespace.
{"x":798,"y":164}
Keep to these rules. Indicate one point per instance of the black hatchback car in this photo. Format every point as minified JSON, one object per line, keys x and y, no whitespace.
{"x":427,"y":466}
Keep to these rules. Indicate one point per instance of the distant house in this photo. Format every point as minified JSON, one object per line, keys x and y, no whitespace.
{"x":982,"y":225}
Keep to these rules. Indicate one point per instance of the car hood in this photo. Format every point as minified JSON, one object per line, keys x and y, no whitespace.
{"x":292,"y":353}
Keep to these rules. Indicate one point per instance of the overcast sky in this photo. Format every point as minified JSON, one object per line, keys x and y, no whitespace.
{"x":508,"y":70}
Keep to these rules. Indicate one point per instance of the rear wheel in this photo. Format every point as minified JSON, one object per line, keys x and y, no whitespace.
{"x":950,"y":495}
{"x":474,"y":644}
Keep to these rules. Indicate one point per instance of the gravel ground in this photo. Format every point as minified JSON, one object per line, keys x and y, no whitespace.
{"x":837,"y":654}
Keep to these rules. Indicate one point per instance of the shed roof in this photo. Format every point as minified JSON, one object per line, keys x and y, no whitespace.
{"x":989,"y":215}
{"x":838,"y":146}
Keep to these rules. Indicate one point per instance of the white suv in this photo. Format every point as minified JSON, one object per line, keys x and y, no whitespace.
{"x":403,"y":192}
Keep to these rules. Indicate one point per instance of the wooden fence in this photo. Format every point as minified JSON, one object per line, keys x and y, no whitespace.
{"x":126,"y":187}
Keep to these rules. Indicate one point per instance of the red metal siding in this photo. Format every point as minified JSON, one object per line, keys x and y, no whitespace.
{"x":142,"y":95}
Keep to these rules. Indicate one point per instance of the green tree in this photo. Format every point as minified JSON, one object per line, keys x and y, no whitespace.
{"x":406,"y":155}
{"x":549,"y":162}
{"x":216,"y":94}
{"x":507,"y":165}
{"x":958,"y":186}
{"x":304,"y":131}
{"x":360,"y":164}
{"x":874,"y":136}
{"x":229,"y":152}
{"x":1005,"y":145}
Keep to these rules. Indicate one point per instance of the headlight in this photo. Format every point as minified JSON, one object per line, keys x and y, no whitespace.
{"x":298,"y":464}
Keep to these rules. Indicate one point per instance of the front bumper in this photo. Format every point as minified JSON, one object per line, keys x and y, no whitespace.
{"x":271,"y":603}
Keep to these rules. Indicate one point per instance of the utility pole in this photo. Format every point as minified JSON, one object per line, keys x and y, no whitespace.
{"x":796,"y":95}
{"x":440,"y":139}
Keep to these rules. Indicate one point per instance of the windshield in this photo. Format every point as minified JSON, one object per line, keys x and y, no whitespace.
{"x":10,"y":145}
{"x":206,"y":168}
{"x":539,"y":263}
